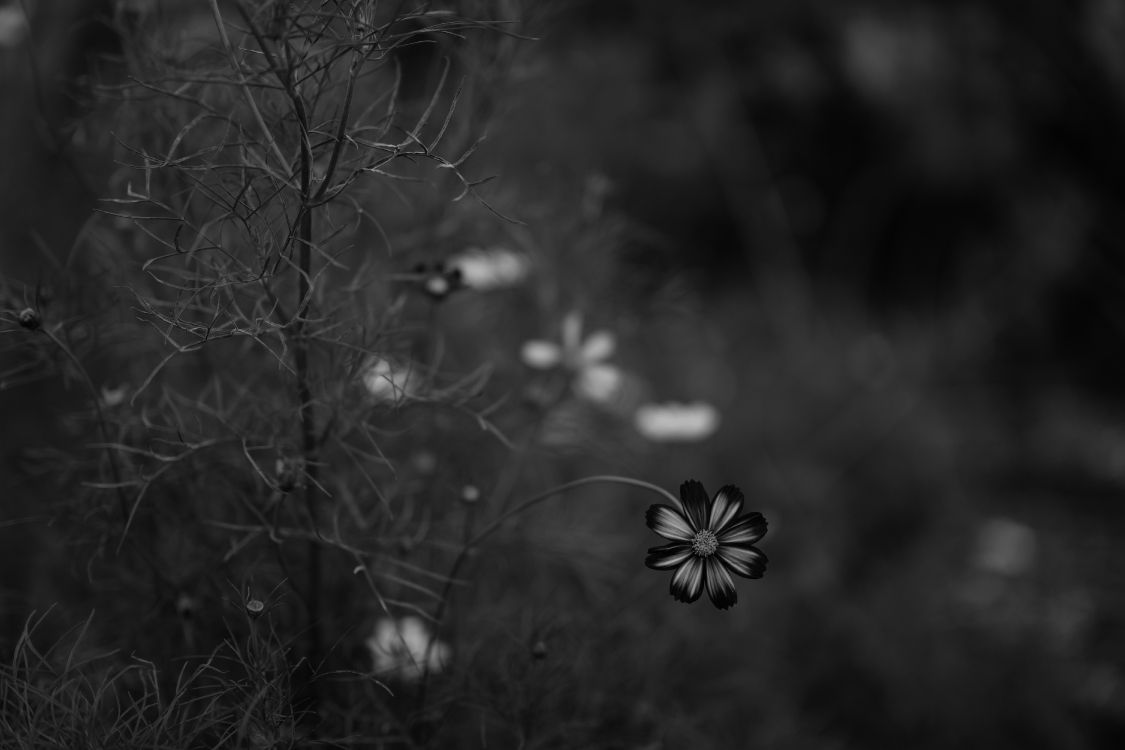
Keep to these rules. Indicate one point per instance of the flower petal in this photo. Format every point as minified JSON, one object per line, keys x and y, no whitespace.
{"x":572,"y":332}
{"x":746,"y":529}
{"x":720,"y":586}
{"x":695,"y":503}
{"x":485,"y":270}
{"x":748,"y":562}
{"x":672,"y":422}
{"x":599,"y":345}
{"x":668,"y":523}
{"x":388,"y":382}
{"x":687,"y":582}
{"x":726,"y":505}
{"x":667,"y":556}
{"x":598,"y":383}
{"x":540,"y":354}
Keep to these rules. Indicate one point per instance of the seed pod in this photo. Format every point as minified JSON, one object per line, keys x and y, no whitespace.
{"x":255,"y":607}
{"x":29,"y":319}
{"x":288,"y":472}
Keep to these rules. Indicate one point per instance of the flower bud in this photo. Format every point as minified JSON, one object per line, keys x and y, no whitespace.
{"x":185,"y":606}
{"x":438,"y":280}
{"x":29,"y":319}
{"x":288,"y":473}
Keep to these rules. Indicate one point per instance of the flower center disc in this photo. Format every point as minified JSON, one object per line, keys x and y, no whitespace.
{"x":704,"y":543}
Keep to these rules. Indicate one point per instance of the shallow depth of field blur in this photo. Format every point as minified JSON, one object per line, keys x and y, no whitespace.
{"x":882,"y":240}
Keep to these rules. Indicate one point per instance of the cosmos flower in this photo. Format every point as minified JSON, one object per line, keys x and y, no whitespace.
{"x":402,"y":648}
{"x":486,"y":270}
{"x":674,"y":422}
{"x":387,"y":382}
{"x":710,"y":540}
{"x":438,"y":280}
{"x":594,"y":379}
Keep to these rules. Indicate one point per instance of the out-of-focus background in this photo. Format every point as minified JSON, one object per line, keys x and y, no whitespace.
{"x":884,"y":240}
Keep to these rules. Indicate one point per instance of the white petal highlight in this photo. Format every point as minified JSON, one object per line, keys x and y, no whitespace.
{"x":749,"y":562}
{"x":495,"y":268}
{"x":665,"y":559}
{"x":687,"y":582}
{"x":668,"y":523}
{"x":541,"y":355}
{"x":675,"y":422}
{"x":388,"y":382}
{"x":727,"y":505}
{"x":598,"y":346}
{"x":746,"y":530}
{"x":572,"y":331}
{"x":720,"y":586}
{"x":598,"y":383}
{"x":405,"y":649}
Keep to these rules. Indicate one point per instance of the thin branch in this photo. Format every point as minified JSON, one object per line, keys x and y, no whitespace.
{"x":245,"y":86}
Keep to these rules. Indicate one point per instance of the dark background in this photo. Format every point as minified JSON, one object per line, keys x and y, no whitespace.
{"x":884,"y":238}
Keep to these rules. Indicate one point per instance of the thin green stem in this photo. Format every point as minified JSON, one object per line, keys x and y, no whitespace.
{"x":99,"y":414}
{"x":548,"y":494}
{"x":236,"y":66}
{"x":112,"y":459}
{"x":309,"y":442}
{"x":491,"y":528}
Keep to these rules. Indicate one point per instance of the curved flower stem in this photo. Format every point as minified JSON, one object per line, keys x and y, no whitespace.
{"x":491,"y":528}
{"x":99,"y":414}
{"x":548,"y":494}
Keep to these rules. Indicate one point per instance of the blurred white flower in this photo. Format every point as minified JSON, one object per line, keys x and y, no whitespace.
{"x":485,"y":270}
{"x":596,"y":189}
{"x":894,"y":61}
{"x":13,"y":25}
{"x":437,"y":279}
{"x":402,"y":648}
{"x":598,"y":382}
{"x":387,"y":382}
{"x":674,"y":422}
{"x":1004,"y":547}
{"x":594,"y":379}
{"x":112,"y":397}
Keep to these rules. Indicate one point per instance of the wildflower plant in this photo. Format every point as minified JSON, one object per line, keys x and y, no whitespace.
{"x":584,"y":358}
{"x":675,"y":422}
{"x":278,"y":382}
{"x":342,"y":411}
{"x":486,"y":270}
